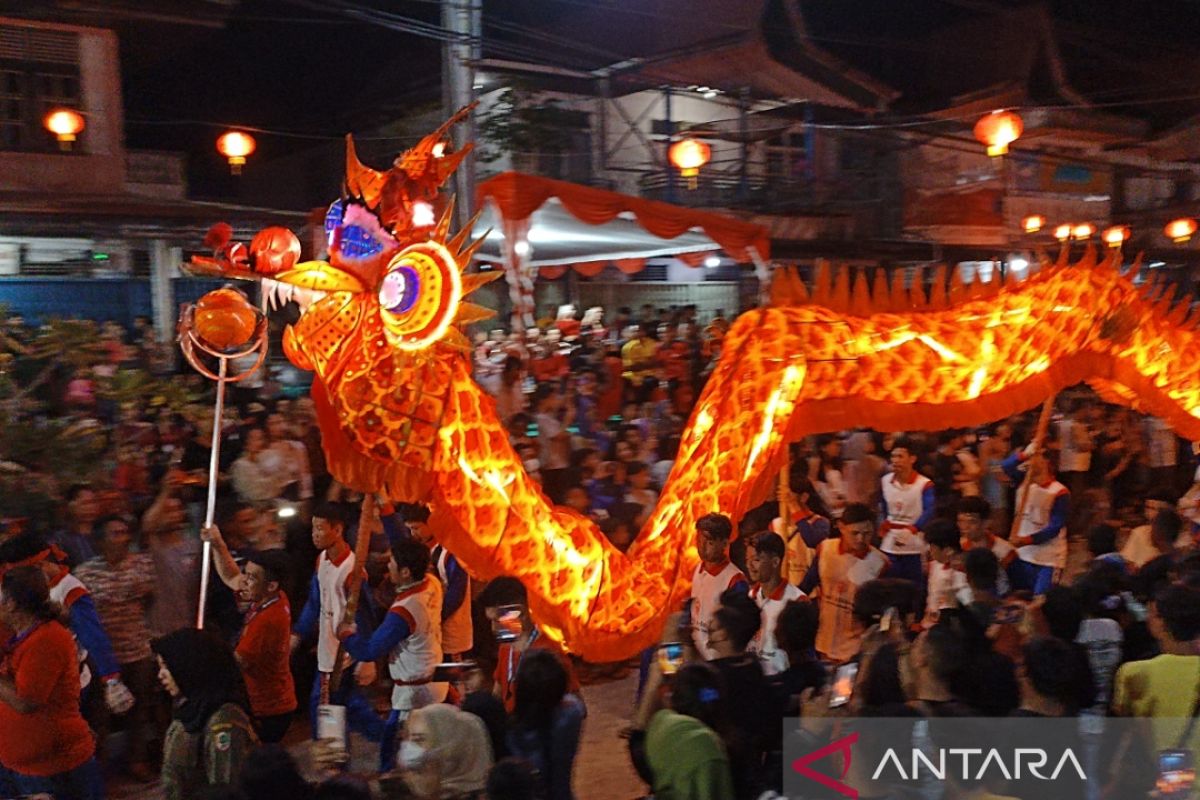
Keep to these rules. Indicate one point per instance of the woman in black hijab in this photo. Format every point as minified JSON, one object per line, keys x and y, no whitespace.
{"x":211,"y":734}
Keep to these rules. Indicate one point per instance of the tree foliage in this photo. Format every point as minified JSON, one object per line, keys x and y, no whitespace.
{"x":525,"y":120}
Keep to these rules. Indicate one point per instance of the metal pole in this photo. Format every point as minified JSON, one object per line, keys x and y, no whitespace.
{"x":670,"y":140}
{"x":465,"y":19}
{"x":602,"y":162}
{"x":214,"y":467}
{"x":744,"y":133}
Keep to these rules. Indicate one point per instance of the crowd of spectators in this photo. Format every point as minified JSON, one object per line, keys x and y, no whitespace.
{"x":900,"y":554}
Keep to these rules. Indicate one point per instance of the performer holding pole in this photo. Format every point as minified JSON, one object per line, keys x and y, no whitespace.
{"x":1039,"y":531}
{"x":222,"y":325}
{"x":336,"y":707}
{"x":368,"y":524}
{"x":1035,"y":447}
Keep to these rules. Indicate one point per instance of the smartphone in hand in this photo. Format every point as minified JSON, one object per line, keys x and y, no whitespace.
{"x":1176,"y":773}
{"x":508,"y":624}
{"x":670,"y":657}
{"x":843,"y":684}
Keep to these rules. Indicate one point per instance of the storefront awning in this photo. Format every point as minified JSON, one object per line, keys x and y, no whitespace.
{"x":540,"y":223}
{"x":569,"y":222}
{"x":558,"y":238}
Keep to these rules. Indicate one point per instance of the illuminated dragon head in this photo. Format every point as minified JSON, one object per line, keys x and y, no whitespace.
{"x":379,"y":320}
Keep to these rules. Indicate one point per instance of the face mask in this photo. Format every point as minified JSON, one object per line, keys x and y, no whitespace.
{"x":412,"y":756}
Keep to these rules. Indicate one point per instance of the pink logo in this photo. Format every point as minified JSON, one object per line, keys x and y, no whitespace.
{"x":842,"y":745}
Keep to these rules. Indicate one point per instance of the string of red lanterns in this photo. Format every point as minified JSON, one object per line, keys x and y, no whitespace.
{"x":1001,"y":128}
{"x":996,"y":130}
{"x":1179,"y":231}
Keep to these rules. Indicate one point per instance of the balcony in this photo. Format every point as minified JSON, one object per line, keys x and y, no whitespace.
{"x":769,"y":195}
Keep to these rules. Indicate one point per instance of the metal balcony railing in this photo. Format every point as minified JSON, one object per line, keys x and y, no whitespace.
{"x":769,"y":194}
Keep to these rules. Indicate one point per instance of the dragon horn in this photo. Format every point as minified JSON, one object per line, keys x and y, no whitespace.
{"x":416,"y":161}
{"x":361,"y":180}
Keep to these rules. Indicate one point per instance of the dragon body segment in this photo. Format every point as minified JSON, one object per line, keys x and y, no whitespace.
{"x":400,"y":413}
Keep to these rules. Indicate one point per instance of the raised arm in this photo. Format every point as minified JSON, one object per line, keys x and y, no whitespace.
{"x":227,"y":568}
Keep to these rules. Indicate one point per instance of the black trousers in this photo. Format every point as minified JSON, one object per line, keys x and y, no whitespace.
{"x":272,"y":729}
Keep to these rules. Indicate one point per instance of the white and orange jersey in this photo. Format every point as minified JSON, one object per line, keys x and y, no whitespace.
{"x":708,"y":583}
{"x":333,"y":578}
{"x":773,"y":660}
{"x":840,"y":573}
{"x":907,"y":506}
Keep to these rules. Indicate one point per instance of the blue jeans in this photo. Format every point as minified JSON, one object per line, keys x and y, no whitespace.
{"x":1031,"y":577}
{"x":644,"y":664}
{"x":359,"y":714}
{"x":907,"y":567}
{"x":387,"y":748}
{"x":85,"y":782}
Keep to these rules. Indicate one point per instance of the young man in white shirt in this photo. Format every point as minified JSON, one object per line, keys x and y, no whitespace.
{"x":714,"y":575}
{"x":457,"y":628}
{"x":908,"y":504}
{"x":410,"y":637}
{"x":771,"y":593}
{"x":840,"y":567}
{"x":323,"y":612}
{"x":1041,"y":538}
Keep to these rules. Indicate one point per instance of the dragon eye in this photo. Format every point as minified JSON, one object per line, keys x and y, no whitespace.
{"x":419,"y":295}
{"x":399,"y":290}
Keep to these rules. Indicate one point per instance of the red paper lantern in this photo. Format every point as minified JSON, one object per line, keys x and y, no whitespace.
{"x":1033,"y":223}
{"x":689,"y":155}
{"x":1083,"y":230}
{"x":235,"y":146}
{"x":998,"y":130}
{"x":1116,"y":235}
{"x":1063,"y":232}
{"x":64,"y":123}
{"x":1180,"y":230}
{"x":224,"y":319}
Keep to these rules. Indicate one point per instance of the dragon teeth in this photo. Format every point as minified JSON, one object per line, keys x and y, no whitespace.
{"x":280,"y":294}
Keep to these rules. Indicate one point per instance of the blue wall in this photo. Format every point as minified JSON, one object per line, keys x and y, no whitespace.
{"x":119,"y":299}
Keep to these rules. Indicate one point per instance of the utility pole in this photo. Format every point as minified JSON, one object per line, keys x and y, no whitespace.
{"x":464,"y":20}
{"x":744,"y":134}
{"x":670,"y":123}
